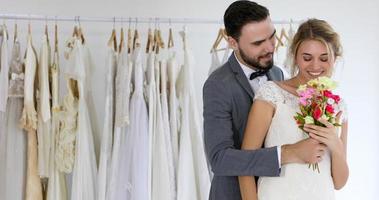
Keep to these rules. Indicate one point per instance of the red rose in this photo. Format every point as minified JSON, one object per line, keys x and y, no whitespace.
{"x":336,"y":98}
{"x":317,"y":113}
{"x":328,"y":94}
{"x":329,"y":109}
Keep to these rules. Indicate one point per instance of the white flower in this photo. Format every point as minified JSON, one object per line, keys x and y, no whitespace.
{"x":330,"y":101}
{"x":309,"y":120}
{"x":325,"y":117}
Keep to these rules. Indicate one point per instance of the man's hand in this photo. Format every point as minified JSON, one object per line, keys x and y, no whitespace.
{"x":305,"y":151}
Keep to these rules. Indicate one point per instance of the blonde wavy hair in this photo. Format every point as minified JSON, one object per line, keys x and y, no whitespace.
{"x":314,"y":29}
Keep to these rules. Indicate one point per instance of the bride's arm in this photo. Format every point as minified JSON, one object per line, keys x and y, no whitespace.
{"x":258,"y":123}
{"x":340,"y":169}
{"x":337,"y":146}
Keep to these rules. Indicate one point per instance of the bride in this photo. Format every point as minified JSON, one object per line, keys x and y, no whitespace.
{"x":314,"y":50}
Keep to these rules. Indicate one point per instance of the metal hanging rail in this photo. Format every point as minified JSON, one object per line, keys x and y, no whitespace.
{"x":122,"y":19}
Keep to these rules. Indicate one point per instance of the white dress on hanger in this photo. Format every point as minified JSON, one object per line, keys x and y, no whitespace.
{"x":296,"y":181}
{"x":161,"y":180}
{"x":123,"y":89}
{"x":57,"y":189}
{"x":215,"y":62}
{"x":16,"y":137}
{"x":3,"y":104}
{"x":4,"y":71}
{"x":84,"y":180}
{"x":107,"y":136}
{"x":44,"y":109}
{"x":166,"y":127}
{"x":138,"y":129}
{"x":173,"y":69}
{"x":193,"y":176}
{"x":118,"y":182}
{"x":151,"y":98}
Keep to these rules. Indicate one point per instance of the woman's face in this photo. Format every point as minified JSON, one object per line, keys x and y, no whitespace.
{"x":313,"y":60}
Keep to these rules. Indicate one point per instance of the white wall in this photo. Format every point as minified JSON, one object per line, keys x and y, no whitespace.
{"x":356,"y":21}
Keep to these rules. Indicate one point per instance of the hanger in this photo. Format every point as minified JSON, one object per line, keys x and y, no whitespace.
{"x":150,"y":39}
{"x":46,"y":30}
{"x":183,"y":35}
{"x":136,"y":36}
{"x":15,"y":32}
{"x":170,"y":42}
{"x":220,"y":36}
{"x":56,"y":36}
{"x":149,"y":43}
{"x":75,"y":32}
{"x":121,"y":40}
{"x":279,"y":43}
{"x":113,"y":40}
{"x":283,"y":36}
{"x":121,"y":37}
{"x":80,"y":31}
{"x":129,"y":44}
{"x":29,"y":28}
{"x":159,"y":41}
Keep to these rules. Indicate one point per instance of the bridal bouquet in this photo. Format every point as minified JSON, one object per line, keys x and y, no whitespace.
{"x":317,"y":101}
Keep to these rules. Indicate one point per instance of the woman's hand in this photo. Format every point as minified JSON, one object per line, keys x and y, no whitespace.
{"x":327,"y":135}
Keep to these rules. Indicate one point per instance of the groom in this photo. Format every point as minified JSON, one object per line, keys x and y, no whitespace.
{"x":228,"y":94}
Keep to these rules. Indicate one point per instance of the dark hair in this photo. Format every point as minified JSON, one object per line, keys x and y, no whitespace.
{"x":240,"y":13}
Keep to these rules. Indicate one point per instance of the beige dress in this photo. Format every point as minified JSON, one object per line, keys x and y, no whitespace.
{"x":29,"y":123}
{"x":43,"y":109}
{"x":57,"y":189}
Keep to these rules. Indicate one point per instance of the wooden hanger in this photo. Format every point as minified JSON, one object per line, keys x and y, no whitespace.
{"x":80,"y":31}
{"x":15,"y":33}
{"x":170,"y":42}
{"x":113,"y":40}
{"x":47,"y":33}
{"x":150,"y":42}
{"x":121,"y":40}
{"x":56,"y":37}
{"x":283,"y":36}
{"x":129,"y":40}
{"x":136,"y":39}
{"x":220,"y":36}
{"x":159,"y":41}
{"x":279,"y":42}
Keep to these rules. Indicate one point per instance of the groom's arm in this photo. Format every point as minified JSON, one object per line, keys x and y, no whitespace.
{"x":224,"y":158}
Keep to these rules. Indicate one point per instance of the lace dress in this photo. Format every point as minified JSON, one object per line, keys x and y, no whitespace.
{"x":57,"y":189}
{"x":296,"y":181}
{"x":84,"y":180}
{"x":29,"y":123}
{"x":16,"y":137}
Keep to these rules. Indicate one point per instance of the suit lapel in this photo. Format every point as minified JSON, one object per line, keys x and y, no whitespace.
{"x":240,"y":76}
{"x":270,"y":75}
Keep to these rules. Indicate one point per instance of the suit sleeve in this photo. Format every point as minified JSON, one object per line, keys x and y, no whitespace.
{"x":222,"y":154}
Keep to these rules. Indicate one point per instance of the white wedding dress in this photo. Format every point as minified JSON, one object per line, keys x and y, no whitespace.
{"x":296,"y":181}
{"x":84,"y":180}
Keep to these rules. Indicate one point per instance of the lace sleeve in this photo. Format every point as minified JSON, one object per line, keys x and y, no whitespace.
{"x":268,"y":92}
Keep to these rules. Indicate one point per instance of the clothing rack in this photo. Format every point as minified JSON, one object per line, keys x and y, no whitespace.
{"x":135,"y":20}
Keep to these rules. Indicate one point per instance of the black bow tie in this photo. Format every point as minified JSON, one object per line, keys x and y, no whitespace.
{"x":257,"y":74}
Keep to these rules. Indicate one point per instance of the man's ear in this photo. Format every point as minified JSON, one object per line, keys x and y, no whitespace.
{"x":233,"y":44}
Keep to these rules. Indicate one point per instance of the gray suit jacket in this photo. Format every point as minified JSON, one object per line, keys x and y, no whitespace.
{"x":227,"y":97}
